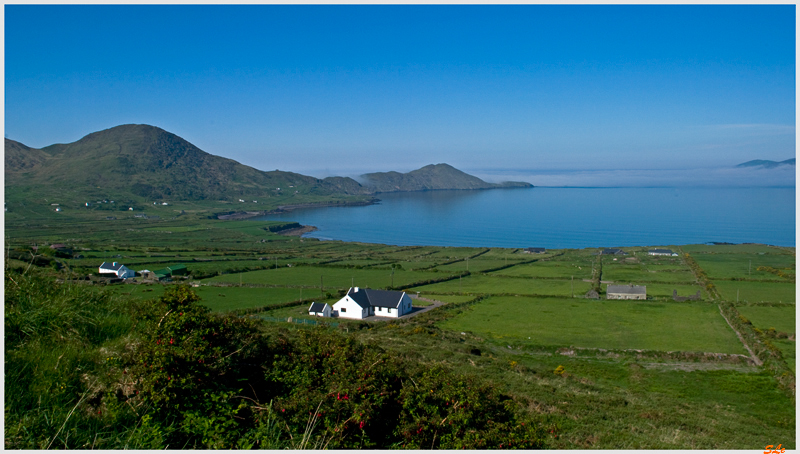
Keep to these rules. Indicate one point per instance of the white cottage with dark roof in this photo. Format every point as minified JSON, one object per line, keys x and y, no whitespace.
{"x":118,"y":269}
{"x":319,"y":309}
{"x":360,"y":303}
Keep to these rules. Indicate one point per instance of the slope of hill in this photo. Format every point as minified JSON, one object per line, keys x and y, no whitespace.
{"x":432,"y":177}
{"x":148,"y":162}
{"x":766,"y":163}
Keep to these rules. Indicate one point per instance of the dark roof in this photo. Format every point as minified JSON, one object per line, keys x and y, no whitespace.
{"x":317,"y":307}
{"x":111,"y":266}
{"x":630,"y":289}
{"x":613,"y":251}
{"x":360,"y":297}
{"x":375,"y":298}
{"x":535,"y":249}
{"x":661,"y":251}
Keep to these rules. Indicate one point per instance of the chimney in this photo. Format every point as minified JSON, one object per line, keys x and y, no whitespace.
{"x":355,"y":290}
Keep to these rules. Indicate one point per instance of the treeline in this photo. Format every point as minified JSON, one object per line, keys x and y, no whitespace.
{"x":86,"y":370}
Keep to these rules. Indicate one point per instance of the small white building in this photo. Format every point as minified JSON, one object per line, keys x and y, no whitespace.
{"x":666,"y":252}
{"x":361,"y":303}
{"x":319,"y":310}
{"x":117,"y":269}
{"x":626,"y":292}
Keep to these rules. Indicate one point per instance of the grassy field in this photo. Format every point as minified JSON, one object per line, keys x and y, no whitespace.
{"x":789,"y":350}
{"x":755,"y":292}
{"x":744,"y":265}
{"x":486,"y":284}
{"x":563,"y":269}
{"x":340,"y":278}
{"x":600,"y":324}
{"x":782,"y":318}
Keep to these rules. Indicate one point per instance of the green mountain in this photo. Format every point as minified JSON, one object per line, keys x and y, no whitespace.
{"x":146,"y":163}
{"x":432,"y":177}
{"x":150,"y":163}
{"x":766,"y":163}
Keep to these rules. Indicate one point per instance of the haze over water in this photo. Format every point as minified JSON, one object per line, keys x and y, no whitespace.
{"x":563,"y":217}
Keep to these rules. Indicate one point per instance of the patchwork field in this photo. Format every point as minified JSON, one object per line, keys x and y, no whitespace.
{"x":340,"y":278}
{"x":563,"y":269}
{"x":694,"y":327}
{"x":486,"y":284}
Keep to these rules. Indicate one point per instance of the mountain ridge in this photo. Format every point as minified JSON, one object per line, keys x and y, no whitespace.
{"x":143,"y":161}
{"x":767,"y":164}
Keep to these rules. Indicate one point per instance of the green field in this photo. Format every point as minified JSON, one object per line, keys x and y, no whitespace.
{"x":782,"y":318}
{"x":564,"y":269}
{"x":331,"y":277}
{"x":486,"y":284}
{"x":600,"y":324}
{"x":726,"y":266}
{"x":789,"y":350}
{"x":636,"y":274}
{"x":754,"y":292}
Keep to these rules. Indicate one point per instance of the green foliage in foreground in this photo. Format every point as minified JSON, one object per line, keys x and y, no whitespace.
{"x":87,"y":370}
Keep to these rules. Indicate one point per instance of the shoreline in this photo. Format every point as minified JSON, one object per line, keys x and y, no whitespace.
{"x":240,"y":215}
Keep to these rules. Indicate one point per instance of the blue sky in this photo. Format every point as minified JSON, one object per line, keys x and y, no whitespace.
{"x":347,"y":89}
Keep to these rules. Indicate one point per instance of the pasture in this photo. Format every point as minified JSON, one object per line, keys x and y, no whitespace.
{"x":331,"y":278}
{"x":782,"y":318}
{"x":727,"y":266}
{"x":487,"y":284}
{"x":694,"y":327}
{"x":561,"y":269}
{"x":755,"y":292}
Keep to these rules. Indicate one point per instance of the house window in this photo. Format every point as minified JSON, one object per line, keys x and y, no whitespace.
{"x":343,"y":310}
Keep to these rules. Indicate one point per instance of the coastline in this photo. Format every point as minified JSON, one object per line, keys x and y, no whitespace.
{"x":240,"y":215}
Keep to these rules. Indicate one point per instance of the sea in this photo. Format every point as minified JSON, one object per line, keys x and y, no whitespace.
{"x":562,"y":217}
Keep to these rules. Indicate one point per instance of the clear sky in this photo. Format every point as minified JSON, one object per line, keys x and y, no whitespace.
{"x":348,"y":89}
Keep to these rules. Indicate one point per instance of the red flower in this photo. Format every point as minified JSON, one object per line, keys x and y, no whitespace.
{"x":361,"y":425}
{"x":171,"y":341}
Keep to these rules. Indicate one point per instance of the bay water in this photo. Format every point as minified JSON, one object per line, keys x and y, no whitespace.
{"x":562,"y":217}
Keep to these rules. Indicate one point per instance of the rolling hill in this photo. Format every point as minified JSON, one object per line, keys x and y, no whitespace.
{"x":150,"y":163}
{"x":767,"y":164}
{"x":431,"y":177}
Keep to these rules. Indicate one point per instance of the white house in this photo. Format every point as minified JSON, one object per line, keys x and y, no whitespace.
{"x":320,"y":310}
{"x":361,"y":303}
{"x":118,"y":269}
{"x":662,"y":252}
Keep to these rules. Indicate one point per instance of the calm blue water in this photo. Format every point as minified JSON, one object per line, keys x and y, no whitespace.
{"x":563,"y":217}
